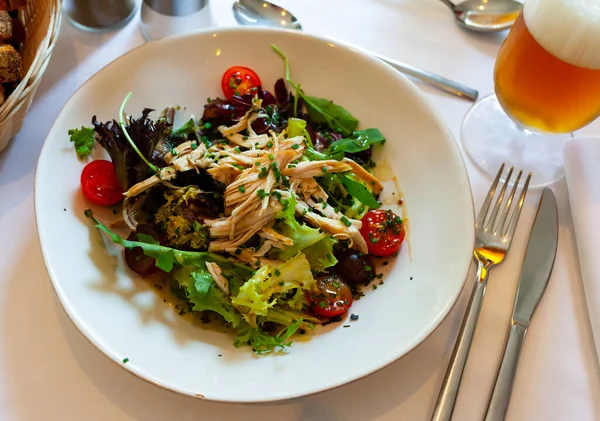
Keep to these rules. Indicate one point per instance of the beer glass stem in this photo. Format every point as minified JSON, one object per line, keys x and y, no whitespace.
{"x":490,"y":137}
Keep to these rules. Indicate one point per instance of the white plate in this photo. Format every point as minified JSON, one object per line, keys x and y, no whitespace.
{"x":124,"y":318}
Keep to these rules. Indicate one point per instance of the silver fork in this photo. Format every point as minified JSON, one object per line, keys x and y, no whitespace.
{"x":494,"y":231}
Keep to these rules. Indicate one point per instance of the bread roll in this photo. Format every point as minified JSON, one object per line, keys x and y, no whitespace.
{"x":10,"y":64}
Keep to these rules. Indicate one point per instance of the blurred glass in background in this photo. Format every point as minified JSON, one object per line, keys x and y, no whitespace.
{"x":160,"y":18}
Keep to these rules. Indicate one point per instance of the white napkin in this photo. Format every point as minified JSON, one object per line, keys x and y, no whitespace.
{"x":582,"y":170}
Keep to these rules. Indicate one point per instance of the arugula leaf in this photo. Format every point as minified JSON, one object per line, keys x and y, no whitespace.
{"x":84,"y":140}
{"x":359,"y":141}
{"x":359,"y":191}
{"x":320,"y":110}
{"x":145,"y":238}
{"x":319,"y":156}
{"x":187,"y":128}
{"x":165,"y":261}
{"x":324,"y":111}
{"x":174,"y":256}
{"x":287,"y":66}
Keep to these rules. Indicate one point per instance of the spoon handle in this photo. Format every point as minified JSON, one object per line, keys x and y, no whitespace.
{"x":449,"y":4}
{"x":432,"y":79}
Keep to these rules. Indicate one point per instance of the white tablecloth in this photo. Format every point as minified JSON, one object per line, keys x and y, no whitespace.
{"x":48,"y":370}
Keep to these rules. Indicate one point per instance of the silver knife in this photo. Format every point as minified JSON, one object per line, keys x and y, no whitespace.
{"x":535,"y":274}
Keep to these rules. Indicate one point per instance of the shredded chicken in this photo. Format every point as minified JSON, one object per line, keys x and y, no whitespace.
{"x":260,"y":172}
{"x":225,"y":173}
{"x":217,"y":275}
{"x":309,"y":187}
{"x":310,"y":169}
{"x":278,"y":240}
{"x":246,"y":256}
{"x":335,"y":227}
{"x":244,"y":229}
{"x":166,"y":174}
{"x":365,"y":176}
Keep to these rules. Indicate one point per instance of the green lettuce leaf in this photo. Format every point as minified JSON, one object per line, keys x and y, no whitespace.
{"x":261,"y":341}
{"x":287,"y":317}
{"x":302,"y":235}
{"x":204,"y":294}
{"x":83,"y":139}
{"x":320,"y":255}
{"x":257,"y":295}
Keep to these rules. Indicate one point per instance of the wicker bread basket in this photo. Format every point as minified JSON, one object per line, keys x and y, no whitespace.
{"x":41,"y":19}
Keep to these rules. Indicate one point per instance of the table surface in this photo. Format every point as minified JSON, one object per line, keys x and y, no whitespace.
{"x":49,"y":371}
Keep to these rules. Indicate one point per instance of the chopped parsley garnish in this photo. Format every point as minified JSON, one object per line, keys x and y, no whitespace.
{"x":83,"y":139}
{"x":269,"y":144}
{"x":261,"y":193}
{"x":242,"y":189}
{"x":345,"y":221}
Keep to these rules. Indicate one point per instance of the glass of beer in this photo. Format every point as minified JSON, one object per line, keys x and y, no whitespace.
{"x":547,"y":83}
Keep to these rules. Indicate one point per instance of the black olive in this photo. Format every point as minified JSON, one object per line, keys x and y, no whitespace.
{"x":269,"y":327}
{"x":136,"y":259}
{"x":354,"y":267}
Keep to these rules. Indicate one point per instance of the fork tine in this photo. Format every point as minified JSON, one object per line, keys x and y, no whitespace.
{"x":501,"y":227}
{"x":514,"y":218}
{"x":492,"y":221}
{"x":488,"y":200}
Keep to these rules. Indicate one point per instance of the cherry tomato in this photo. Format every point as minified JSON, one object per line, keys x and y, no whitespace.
{"x":239,"y":80}
{"x":383,"y":232}
{"x":99,"y":183}
{"x":332,"y":298}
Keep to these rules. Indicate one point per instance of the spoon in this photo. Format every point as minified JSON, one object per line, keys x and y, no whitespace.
{"x":485,"y":15}
{"x":264,"y":13}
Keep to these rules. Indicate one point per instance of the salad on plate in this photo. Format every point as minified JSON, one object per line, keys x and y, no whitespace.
{"x":263,"y":214}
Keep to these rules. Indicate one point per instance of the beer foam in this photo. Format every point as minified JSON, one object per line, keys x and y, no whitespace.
{"x":567,"y":29}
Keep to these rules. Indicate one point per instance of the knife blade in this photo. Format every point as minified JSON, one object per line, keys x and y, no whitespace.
{"x":539,"y":260}
{"x":534,"y":278}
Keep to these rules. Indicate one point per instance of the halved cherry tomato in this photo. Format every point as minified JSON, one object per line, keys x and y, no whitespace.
{"x":332,"y":298}
{"x":239,"y":80}
{"x":383,"y":232}
{"x":99,"y":183}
